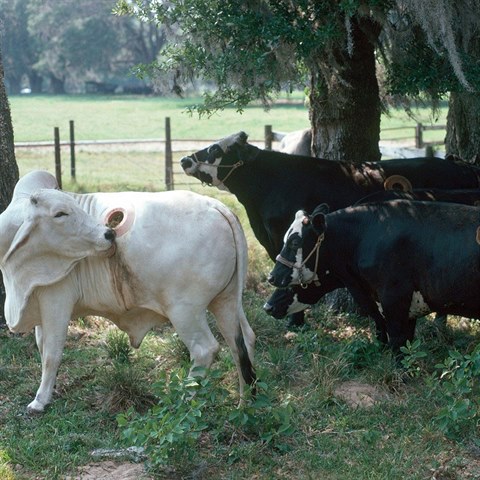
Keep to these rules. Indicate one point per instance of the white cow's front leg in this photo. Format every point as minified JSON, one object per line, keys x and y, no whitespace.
{"x":50,"y":340}
{"x":39,"y":339}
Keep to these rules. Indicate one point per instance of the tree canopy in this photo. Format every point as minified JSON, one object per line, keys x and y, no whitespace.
{"x":254,"y":49}
{"x":60,"y":45}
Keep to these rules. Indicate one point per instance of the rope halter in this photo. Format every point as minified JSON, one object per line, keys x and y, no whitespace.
{"x":301,"y":266}
{"x":231,"y":167}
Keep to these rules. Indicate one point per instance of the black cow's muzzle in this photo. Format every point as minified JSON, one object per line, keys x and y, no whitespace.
{"x":186,"y":162}
{"x":275,"y":311}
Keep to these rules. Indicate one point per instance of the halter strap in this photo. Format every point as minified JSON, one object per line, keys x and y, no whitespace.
{"x":292,"y":265}
{"x":231,"y":167}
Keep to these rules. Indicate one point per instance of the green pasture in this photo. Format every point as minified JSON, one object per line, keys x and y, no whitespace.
{"x":332,"y":404}
{"x":131,"y":117}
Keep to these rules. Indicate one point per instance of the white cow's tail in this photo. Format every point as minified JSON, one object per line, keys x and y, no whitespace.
{"x":245,"y":337}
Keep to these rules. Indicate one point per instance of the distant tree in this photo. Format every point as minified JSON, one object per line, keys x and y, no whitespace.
{"x":81,"y":41}
{"x":20,"y":51}
{"x":8,"y":165}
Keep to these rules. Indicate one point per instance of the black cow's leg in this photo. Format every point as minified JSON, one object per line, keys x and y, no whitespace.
{"x":296,"y":320}
{"x":368,"y":307}
{"x":399,"y":328}
{"x":380,"y":328}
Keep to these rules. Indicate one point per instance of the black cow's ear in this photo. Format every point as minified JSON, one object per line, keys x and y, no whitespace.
{"x":242,"y":138}
{"x":319,"y":222}
{"x":322,"y":208}
{"x":215,"y":151}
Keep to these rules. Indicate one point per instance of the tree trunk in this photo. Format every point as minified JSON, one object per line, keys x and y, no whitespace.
{"x":8,"y":165}
{"x":345,"y":111}
{"x":36,"y":81}
{"x":345,"y":106}
{"x":57,"y":85}
{"x":463,"y":127}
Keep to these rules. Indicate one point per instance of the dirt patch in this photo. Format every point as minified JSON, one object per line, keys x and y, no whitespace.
{"x":110,"y":470}
{"x":357,"y":394}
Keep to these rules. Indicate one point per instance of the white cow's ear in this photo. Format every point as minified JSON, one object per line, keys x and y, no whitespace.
{"x":20,"y":238}
{"x":25,"y":268}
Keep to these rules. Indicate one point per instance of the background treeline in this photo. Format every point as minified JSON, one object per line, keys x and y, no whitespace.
{"x":74,"y":46}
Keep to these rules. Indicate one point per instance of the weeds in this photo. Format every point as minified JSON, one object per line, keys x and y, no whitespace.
{"x":6,"y":472}
{"x":118,"y":346}
{"x":459,"y":383}
{"x":187,"y":407}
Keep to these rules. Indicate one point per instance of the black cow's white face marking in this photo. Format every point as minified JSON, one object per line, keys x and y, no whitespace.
{"x":211,"y":165}
{"x":289,"y":268}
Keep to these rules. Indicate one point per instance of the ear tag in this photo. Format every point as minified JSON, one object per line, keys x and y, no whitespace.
{"x":120,"y":219}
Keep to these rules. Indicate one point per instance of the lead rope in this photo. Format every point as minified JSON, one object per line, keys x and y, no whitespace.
{"x":315,"y":249}
{"x":232,"y":167}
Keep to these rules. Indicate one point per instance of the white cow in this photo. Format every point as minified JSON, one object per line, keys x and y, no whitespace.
{"x":168,"y":257}
{"x":298,"y":142}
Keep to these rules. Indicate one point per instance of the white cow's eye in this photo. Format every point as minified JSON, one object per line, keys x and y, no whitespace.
{"x":61,"y":214}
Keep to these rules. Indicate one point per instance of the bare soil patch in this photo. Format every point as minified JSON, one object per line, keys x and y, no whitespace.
{"x":110,"y":470}
{"x":357,"y":394}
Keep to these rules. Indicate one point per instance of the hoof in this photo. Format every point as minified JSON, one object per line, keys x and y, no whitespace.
{"x":35,"y":408}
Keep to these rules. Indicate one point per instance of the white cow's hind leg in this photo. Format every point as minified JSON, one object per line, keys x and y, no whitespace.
{"x":192,"y":328}
{"x":238,"y":334}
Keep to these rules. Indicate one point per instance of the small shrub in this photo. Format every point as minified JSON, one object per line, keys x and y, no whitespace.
{"x":123,"y":386}
{"x":362,"y":353}
{"x":413,"y":358}
{"x":118,"y":346}
{"x":459,"y":385}
{"x":170,"y":429}
{"x":263,"y":419}
{"x":187,"y":407}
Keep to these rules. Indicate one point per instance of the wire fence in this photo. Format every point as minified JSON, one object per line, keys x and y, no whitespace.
{"x":154,"y":164}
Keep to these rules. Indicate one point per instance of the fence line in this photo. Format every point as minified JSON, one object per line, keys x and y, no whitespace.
{"x":389,"y":147}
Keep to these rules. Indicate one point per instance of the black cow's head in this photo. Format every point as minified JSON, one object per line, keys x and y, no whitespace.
{"x":297,"y":263}
{"x":286,"y":301}
{"x":214,"y":164}
{"x":280,"y":302}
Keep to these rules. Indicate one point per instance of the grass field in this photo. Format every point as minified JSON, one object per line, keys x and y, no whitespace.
{"x":333,"y":404}
{"x":125,"y":117}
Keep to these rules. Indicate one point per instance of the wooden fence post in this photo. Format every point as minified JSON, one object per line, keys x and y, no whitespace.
{"x":419,"y":136}
{"x":72,"y":150}
{"x":429,"y":152}
{"x":268,"y":137}
{"x":58,"y":163}
{"x":168,"y":156}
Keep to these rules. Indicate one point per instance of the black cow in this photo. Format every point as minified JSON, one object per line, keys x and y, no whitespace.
{"x":400,"y":259}
{"x":286,"y":301}
{"x":272,"y":186}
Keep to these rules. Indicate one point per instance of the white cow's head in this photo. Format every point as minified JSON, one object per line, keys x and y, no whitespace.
{"x":42,"y":237}
{"x":53,"y":223}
